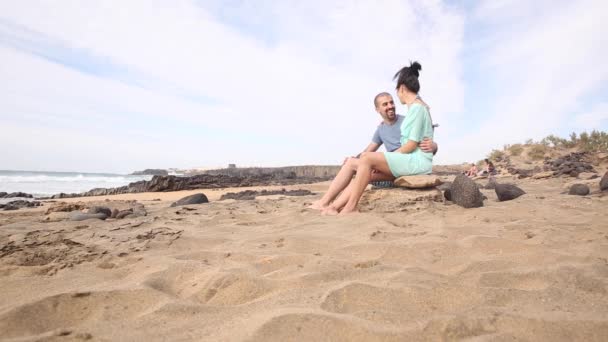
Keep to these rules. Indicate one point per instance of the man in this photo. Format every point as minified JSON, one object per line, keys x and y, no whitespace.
{"x":387,"y":133}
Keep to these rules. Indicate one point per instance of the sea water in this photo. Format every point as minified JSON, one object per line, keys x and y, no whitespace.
{"x":40,"y":183}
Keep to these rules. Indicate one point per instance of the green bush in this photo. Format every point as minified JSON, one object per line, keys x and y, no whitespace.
{"x":496,"y":155}
{"x":537,"y":152}
{"x":516,"y":150}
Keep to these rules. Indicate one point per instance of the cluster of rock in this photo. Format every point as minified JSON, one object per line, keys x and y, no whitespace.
{"x":582,"y":189}
{"x":252,"y":194}
{"x":315,"y":172}
{"x":18,"y":204}
{"x":15,"y":194}
{"x":204,"y":181}
{"x":465,"y":192}
{"x":573,"y":165}
{"x":75,"y":211}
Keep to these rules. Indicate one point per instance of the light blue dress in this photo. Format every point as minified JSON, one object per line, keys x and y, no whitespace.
{"x":416,"y":126}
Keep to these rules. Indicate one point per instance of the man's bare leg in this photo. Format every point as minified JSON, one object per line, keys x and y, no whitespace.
{"x":339,"y":183}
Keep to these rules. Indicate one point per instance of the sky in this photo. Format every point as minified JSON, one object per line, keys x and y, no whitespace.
{"x":118,"y":86}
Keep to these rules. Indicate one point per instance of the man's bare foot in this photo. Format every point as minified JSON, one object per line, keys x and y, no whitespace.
{"x":347,"y":211}
{"x":317,"y":205}
{"x":329,"y":211}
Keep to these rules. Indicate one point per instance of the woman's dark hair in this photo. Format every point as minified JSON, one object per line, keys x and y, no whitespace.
{"x":408,"y":76}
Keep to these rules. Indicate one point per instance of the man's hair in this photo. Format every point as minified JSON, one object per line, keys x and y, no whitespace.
{"x":408,"y":76}
{"x":379,"y":96}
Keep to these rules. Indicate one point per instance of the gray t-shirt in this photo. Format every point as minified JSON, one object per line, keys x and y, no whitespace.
{"x":389,"y":135}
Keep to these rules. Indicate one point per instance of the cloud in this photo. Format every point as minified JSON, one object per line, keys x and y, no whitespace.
{"x":200,"y":85}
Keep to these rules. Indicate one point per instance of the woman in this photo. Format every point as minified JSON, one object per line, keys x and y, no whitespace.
{"x":408,"y":159}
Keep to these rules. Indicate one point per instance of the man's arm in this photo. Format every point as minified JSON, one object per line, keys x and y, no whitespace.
{"x":372,"y":147}
{"x":428,"y":145}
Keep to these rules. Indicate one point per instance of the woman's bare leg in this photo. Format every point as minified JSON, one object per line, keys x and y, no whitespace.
{"x":339,"y":183}
{"x":367,"y":162}
{"x":341,"y":201}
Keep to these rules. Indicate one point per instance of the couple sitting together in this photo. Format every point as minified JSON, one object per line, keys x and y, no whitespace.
{"x":407,"y":139}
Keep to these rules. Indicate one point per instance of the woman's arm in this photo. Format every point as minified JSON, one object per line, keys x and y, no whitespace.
{"x":408,"y":147}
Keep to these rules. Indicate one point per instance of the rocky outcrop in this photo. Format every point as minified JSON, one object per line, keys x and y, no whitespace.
{"x":317,"y":172}
{"x":151,"y":172}
{"x":18,"y":204}
{"x":204,"y":181}
{"x":15,"y":194}
{"x":571,"y":165}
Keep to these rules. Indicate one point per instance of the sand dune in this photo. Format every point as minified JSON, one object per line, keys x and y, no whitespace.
{"x":535,"y":268}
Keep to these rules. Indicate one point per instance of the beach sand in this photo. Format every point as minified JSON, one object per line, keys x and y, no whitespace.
{"x":535,"y":268}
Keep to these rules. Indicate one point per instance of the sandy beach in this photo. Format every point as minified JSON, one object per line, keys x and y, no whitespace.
{"x":535,"y":268}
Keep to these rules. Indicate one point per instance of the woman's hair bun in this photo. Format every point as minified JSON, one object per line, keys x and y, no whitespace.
{"x":415,"y":68}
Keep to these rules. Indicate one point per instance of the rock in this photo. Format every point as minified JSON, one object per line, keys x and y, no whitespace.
{"x":115,"y":212}
{"x":465,"y":193}
{"x":192,"y":199}
{"x":65,"y":207}
{"x":18,"y":204}
{"x":418,"y":182}
{"x":124,"y":213}
{"x":604,"y":182}
{"x":78,"y":216}
{"x":579,"y":189}
{"x":543,"y":175}
{"x":97,"y":210}
{"x":17,"y":194}
{"x":151,"y":172}
{"x":398,"y":199}
{"x":2,"y":194}
{"x":447,"y":194}
{"x":507,"y":192}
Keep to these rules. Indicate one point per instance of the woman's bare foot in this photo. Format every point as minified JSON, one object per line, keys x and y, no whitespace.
{"x":330,"y":211}
{"x":317,"y":205}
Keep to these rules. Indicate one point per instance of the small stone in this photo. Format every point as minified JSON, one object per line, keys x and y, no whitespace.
{"x":588,"y":175}
{"x":193,"y":199}
{"x":507,"y":192}
{"x":579,"y":189}
{"x":543,"y":175}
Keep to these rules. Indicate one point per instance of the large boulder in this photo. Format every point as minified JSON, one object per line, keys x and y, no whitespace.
{"x":418,"y":182}
{"x":465,"y":192}
{"x":507,"y":192}
{"x":604,"y":182}
{"x":579,"y":190}
{"x":192,"y":199}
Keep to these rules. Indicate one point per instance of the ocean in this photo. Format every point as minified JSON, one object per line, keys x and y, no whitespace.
{"x":41,"y":184}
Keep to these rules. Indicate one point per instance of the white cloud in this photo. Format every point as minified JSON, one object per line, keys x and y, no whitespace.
{"x":302,"y":97}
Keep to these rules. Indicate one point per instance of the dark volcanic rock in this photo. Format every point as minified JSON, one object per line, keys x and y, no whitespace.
{"x":507,"y":192}
{"x":192,"y":199}
{"x":151,"y":172}
{"x":251,"y":194}
{"x":78,"y":216}
{"x":465,"y":193}
{"x":124,"y":213}
{"x":2,"y":194}
{"x":604,"y":182}
{"x":204,"y":181}
{"x":17,"y":194}
{"x":97,"y":210}
{"x":579,"y":189}
{"x":18,"y":204}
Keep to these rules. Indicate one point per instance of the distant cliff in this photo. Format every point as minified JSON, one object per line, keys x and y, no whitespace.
{"x":151,"y":172}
